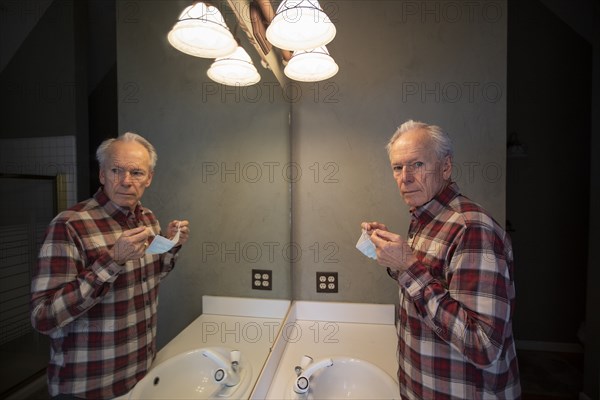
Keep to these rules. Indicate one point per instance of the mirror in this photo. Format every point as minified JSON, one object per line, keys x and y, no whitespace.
{"x":224,"y":153}
{"x":223,"y":162}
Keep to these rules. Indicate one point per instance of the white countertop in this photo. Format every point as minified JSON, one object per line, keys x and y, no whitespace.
{"x":273,"y":337}
{"x":248,"y":325}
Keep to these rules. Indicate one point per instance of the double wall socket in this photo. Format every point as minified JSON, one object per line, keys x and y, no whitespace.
{"x":262,"y":279}
{"x":327,"y":282}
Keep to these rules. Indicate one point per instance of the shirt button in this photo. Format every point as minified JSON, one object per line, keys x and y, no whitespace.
{"x":147,"y":302}
{"x":407,"y":284}
{"x":411,"y":235}
{"x":143,"y":279}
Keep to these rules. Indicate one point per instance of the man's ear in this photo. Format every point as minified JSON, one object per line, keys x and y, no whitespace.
{"x":150,"y":176}
{"x":447,"y":168}
{"x":102,"y":175}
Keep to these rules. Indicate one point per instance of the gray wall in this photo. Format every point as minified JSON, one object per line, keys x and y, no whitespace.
{"x":397,"y":61}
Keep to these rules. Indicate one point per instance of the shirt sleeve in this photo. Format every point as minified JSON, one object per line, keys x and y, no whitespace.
{"x":472,"y":310}
{"x":168,"y":260}
{"x":63,"y":288}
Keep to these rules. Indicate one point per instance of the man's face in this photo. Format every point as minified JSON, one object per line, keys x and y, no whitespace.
{"x":418,"y":171}
{"x":126,"y":173}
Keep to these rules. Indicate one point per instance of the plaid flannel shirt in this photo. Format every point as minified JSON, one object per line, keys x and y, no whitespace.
{"x":455,"y":336}
{"x":100,"y":316}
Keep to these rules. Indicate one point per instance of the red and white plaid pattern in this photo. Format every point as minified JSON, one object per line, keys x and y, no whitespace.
{"x":100,"y":316}
{"x":455,"y":336}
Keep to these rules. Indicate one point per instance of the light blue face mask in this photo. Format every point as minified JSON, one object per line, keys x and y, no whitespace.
{"x":365,"y":245}
{"x":161,"y":244}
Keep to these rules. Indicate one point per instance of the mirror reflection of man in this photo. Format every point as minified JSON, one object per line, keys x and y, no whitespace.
{"x":455,"y":278}
{"x":95,"y":289}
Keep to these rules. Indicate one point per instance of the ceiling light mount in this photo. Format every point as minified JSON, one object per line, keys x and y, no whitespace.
{"x":290,"y":42}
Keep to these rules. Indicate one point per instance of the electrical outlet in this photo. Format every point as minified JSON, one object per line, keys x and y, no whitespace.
{"x":262,"y":279}
{"x":327,"y":282}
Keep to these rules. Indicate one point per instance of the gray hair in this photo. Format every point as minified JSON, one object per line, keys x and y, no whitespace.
{"x":101,"y":153}
{"x":441,"y":140}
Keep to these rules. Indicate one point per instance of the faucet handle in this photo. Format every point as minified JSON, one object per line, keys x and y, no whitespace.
{"x":305,"y":361}
{"x":235,"y":356}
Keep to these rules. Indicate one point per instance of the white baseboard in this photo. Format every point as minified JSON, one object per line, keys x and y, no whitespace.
{"x":558,"y":347}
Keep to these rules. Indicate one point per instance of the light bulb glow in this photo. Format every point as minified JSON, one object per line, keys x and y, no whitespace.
{"x":235,"y":69}
{"x":300,"y":25}
{"x":311,"y":66}
{"x":201,"y":31}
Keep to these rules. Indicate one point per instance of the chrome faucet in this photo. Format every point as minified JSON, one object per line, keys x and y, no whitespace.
{"x":228,"y":371}
{"x":306,"y":369}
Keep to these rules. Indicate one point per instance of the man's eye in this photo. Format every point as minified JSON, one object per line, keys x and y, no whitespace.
{"x":114,"y":170}
{"x":418,"y":164}
{"x":397,"y":168}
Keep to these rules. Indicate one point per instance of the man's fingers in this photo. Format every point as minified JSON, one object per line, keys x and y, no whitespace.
{"x":134,"y":231}
{"x":140,"y":236}
{"x":385,"y":235}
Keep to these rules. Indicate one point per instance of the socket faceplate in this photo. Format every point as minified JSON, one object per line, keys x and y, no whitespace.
{"x":327,"y":282}
{"x":262,"y":279}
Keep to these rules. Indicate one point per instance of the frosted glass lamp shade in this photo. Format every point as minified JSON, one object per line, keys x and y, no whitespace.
{"x":311,"y":65}
{"x":235,"y":69}
{"x":201,"y":31}
{"x":300,"y":25}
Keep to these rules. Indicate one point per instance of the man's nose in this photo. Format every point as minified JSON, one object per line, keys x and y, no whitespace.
{"x":406,"y":176}
{"x":126,"y":178}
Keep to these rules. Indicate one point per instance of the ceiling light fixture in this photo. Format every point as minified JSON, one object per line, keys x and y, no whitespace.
{"x":300,"y":25}
{"x":235,"y":69}
{"x":311,"y":65}
{"x":201,"y":31}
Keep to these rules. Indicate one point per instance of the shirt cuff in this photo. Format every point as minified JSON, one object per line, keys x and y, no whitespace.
{"x":106,"y":269}
{"x":415,"y":279}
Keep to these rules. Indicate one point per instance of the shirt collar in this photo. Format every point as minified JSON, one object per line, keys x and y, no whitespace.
{"x":429,"y":210}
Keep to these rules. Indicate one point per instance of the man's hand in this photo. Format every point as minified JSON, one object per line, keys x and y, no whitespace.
{"x":184,"y":233}
{"x":371,"y":226}
{"x":392,"y":250}
{"x":131,"y":245}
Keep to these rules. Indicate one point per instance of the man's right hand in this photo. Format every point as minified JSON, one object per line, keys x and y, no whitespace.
{"x":131,"y":245}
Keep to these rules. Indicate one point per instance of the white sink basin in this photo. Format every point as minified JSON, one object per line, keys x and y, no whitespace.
{"x":349,"y":378}
{"x":191,"y":376}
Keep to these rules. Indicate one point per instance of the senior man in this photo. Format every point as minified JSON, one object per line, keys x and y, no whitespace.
{"x":95,"y":288}
{"x":455,"y":276}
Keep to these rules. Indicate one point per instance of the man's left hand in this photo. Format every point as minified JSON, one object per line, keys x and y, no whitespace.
{"x":184,"y":230}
